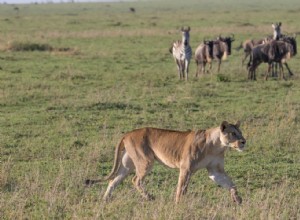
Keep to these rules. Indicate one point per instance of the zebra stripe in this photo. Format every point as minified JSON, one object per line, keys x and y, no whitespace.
{"x":182,"y":53}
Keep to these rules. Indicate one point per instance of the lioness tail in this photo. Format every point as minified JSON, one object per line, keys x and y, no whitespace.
{"x":116,"y":165}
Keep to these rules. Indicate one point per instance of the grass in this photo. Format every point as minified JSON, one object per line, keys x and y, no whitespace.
{"x":63,"y":111}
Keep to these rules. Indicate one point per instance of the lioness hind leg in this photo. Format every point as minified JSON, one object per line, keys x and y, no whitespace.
{"x":126,"y":167}
{"x":137,"y":181}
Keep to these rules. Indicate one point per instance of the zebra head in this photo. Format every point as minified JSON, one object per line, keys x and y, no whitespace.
{"x":277,"y":30}
{"x":185,"y":35}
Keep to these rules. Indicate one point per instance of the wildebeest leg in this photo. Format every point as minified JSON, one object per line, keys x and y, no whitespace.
{"x":254,"y":74}
{"x":203,"y":67}
{"x":218,"y":175}
{"x":125,"y":168}
{"x":281,"y":72}
{"x":245,"y":57}
{"x":183,"y":181}
{"x":198,"y":66}
{"x":210,"y":66}
{"x":274,"y":69}
{"x":251,"y":72}
{"x":219,"y":64}
{"x":290,"y":72}
{"x":268,"y":71}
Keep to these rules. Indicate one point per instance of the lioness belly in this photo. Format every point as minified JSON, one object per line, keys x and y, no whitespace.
{"x":170,"y":162}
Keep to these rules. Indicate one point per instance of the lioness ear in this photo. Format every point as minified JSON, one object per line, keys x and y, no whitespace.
{"x":223,"y":125}
{"x":238,"y":124}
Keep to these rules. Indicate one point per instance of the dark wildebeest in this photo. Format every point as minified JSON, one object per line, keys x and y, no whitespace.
{"x":248,"y":45}
{"x":292,"y":41}
{"x":221,"y":48}
{"x":273,"y":51}
{"x":203,"y":55}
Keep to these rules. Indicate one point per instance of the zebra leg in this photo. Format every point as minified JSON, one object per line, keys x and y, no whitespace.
{"x":179,"y":68}
{"x":187,"y":69}
{"x":181,"y":71}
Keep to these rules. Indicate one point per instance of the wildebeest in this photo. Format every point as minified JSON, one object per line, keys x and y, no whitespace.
{"x":203,"y":55}
{"x":248,"y":45}
{"x":293,"y":42}
{"x":221,"y":48}
{"x":182,"y":53}
{"x":272,"y":51}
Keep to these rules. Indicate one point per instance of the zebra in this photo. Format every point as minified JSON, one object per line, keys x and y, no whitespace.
{"x":276,"y":30}
{"x":182,"y":53}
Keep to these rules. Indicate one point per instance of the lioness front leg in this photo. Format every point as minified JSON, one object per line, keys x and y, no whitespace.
{"x":220,"y":177}
{"x":183,"y":181}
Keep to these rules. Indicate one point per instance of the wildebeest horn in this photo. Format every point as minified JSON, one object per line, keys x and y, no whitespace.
{"x":188,"y":29}
{"x":232,"y":36}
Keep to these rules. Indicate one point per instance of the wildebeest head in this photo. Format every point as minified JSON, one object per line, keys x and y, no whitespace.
{"x":277,"y":30}
{"x":185,"y":35}
{"x":209,"y":44}
{"x":292,"y":41}
{"x":227,"y":40}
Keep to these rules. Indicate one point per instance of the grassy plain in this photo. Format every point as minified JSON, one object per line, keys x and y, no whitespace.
{"x":62,"y":111}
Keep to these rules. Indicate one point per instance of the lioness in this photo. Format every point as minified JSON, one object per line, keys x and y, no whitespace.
{"x":188,"y":151}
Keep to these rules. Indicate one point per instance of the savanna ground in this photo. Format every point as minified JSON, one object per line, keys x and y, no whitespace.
{"x":74,"y":77}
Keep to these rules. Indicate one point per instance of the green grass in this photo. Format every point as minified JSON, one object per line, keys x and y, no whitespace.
{"x":63,"y":111}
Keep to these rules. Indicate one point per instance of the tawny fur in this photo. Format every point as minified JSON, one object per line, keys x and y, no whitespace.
{"x":187,"y":151}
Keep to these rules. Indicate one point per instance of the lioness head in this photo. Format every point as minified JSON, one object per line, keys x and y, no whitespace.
{"x":231,"y":136}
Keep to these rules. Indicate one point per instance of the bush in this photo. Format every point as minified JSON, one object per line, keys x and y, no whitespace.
{"x":19,"y":46}
{"x":222,"y":78}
